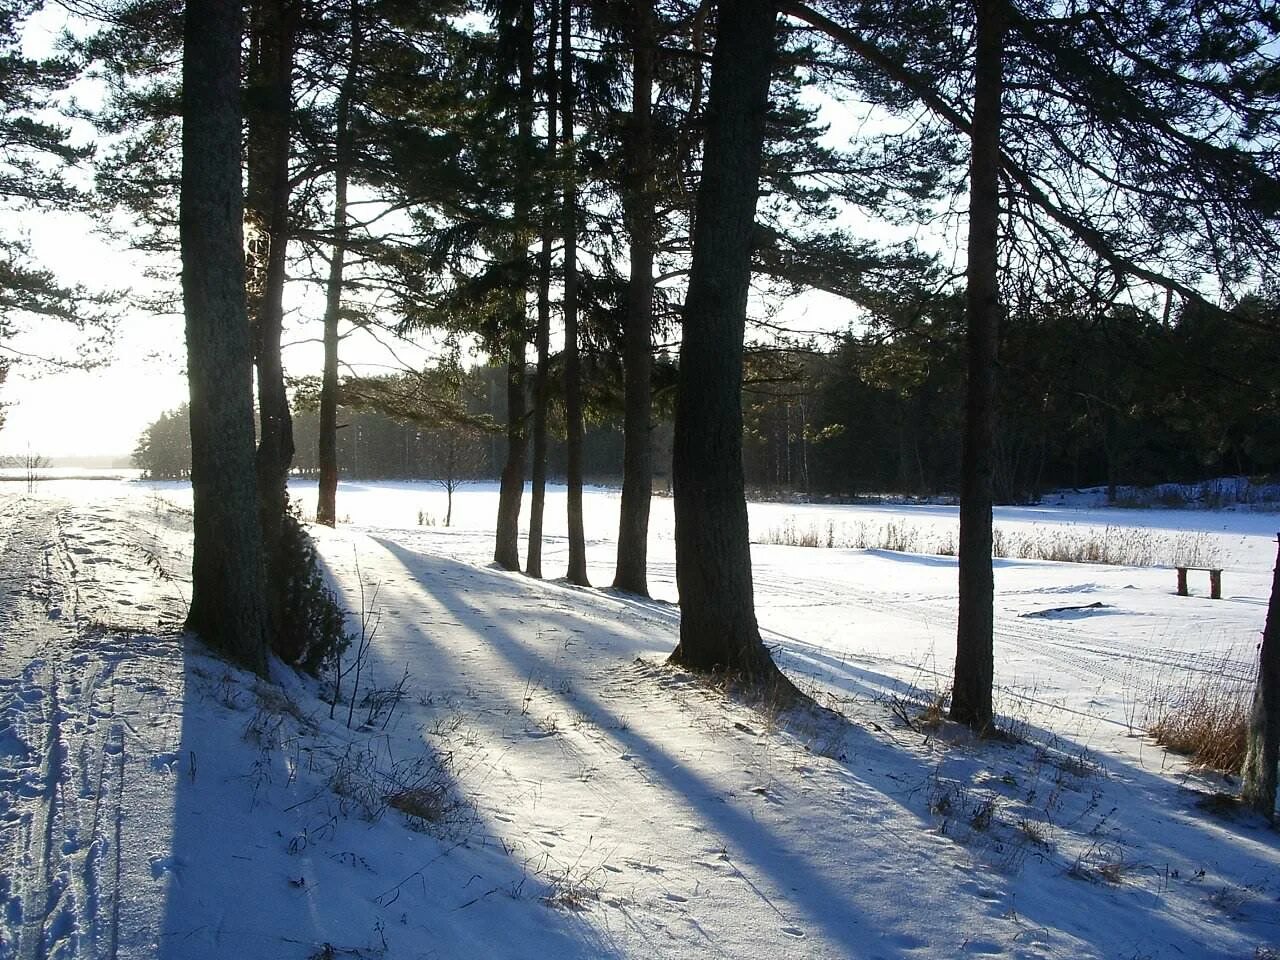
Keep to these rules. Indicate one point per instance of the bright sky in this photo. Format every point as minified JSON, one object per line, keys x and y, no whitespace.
{"x":101,"y":412}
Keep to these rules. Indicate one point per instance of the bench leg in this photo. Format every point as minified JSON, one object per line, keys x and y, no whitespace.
{"x":1182,"y":581}
{"x":1215,"y":584}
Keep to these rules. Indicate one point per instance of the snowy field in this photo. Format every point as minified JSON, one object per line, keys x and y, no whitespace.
{"x":528,"y":780}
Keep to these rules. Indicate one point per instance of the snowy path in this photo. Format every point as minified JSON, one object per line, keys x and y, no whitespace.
{"x":677,"y":819}
{"x":77,"y":701}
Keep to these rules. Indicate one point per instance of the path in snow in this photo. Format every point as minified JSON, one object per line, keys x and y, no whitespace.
{"x":78,"y":699}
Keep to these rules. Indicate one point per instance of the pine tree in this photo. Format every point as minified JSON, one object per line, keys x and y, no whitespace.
{"x":36,"y":153}
{"x":639,"y":203}
{"x":718,"y":630}
{"x":542,"y":335}
{"x":974,"y":669}
{"x":227,"y":591}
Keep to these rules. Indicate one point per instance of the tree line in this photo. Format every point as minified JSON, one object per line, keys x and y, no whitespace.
{"x":1111,"y":399}
{"x":638,"y":169}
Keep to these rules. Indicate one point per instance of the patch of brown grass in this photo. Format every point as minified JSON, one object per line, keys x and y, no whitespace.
{"x":423,"y":803}
{"x":1206,"y":720}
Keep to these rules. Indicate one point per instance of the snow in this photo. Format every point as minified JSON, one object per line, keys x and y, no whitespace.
{"x":561,"y":793}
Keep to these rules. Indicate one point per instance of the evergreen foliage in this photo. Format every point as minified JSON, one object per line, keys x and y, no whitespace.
{"x":313,"y":634}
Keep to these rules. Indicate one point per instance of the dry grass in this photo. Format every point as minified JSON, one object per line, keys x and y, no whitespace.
{"x":1110,"y":545}
{"x":423,"y":803}
{"x":1206,"y":720}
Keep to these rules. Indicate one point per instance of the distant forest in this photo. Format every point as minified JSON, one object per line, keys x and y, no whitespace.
{"x":1119,"y":399}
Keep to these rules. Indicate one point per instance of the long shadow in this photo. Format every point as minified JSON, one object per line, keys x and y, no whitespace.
{"x":828,"y":904}
{"x":283,"y":847}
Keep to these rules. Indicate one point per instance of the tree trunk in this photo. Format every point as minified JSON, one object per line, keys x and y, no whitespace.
{"x":227,"y":599}
{"x":511,"y":490}
{"x":637,"y":358}
{"x":269,"y":101}
{"x":718,"y":630}
{"x":577,"y":572}
{"x":974,"y":669}
{"x":541,"y":377}
{"x":327,"y":500}
{"x":1258,"y":787}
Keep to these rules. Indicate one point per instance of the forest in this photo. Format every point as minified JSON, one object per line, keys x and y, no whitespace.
{"x":594,"y":238}
{"x":1107,"y":175}
{"x":1184,"y":402}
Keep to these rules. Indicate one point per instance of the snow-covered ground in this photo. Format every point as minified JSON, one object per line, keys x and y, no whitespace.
{"x":541,"y":786}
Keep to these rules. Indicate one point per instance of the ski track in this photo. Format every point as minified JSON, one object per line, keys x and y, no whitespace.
{"x":63,"y":743}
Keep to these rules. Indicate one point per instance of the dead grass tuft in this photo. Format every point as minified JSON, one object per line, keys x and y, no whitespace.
{"x":423,"y":803}
{"x":1206,"y":720}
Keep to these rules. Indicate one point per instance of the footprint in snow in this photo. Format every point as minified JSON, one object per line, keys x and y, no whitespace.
{"x":164,"y":762}
{"x":986,"y":948}
{"x":168,"y":864}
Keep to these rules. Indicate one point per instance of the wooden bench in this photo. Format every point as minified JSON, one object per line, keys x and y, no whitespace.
{"x":1215,"y":581}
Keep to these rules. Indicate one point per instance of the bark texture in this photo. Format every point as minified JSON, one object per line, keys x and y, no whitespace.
{"x":327,"y":502}
{"x":637,"y":359}
{"x":974,"y":668}
{"x":227,"y":599}
{"x":542,"y":336}
{"x":1258,"y":786}
{"x":718,"y":630}
{"x":577,"y":572}
{"x":270,"y":103}
{"x":506,"y":551}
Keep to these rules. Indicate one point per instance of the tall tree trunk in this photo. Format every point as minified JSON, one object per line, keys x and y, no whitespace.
{"x":718,"y":630}
{"x":974,"y":669}
{"x":577,"y":572}
{"x":269,"y":101}
{"x":542,"y":374}
{"x":327,"y":499}
{"x":637,"y":358}
{"x":506,"y":552}
{"x":1258,"y":787}
{"x":227,"y":599}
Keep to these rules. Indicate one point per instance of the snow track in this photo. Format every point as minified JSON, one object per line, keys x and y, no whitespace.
{"x":63,"y":748}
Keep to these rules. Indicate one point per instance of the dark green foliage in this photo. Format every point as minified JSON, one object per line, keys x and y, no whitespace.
{"x":163,"y":451}
{"x":36,"y":153}
{"x":313,"y":631}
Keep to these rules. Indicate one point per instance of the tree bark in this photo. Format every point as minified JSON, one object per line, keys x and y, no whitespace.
{"x":269,"y":102}
{"x":327,"y":499}
{"x":1258,"y":786}
{"x":511,"y":489}
{"x":718,"y":630}
{"x":974,"y":668}
{"x":542,"y":337}
{"x":637,"y":359}
{"x":577,"y":572}
{"x":227,"y":599}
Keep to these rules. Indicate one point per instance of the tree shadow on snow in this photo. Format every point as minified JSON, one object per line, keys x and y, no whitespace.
{"x":284,"y":844}
{"x":874,"y":781}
